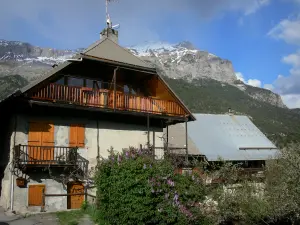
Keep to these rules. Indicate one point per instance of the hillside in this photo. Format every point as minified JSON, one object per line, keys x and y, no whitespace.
{"x":281,"y":125}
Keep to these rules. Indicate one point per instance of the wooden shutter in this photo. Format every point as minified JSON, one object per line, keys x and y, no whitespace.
{"x":35,"y":134}
{"x":80,"y":135}
{"x":77,"y":135}
{"x":35,"y":194}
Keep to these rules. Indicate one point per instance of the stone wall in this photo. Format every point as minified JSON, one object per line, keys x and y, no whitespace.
{"x":99,"y":137}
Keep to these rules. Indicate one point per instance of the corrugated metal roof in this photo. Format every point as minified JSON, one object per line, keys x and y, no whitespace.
{"x":222,"y":136}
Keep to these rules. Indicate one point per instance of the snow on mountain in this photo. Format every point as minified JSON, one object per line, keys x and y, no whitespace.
{"x":180,"y":60}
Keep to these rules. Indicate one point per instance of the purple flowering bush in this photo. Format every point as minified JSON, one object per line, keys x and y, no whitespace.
{"x":133,"y":188}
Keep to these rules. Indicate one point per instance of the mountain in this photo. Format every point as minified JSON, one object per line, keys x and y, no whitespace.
{"x":183,"y":60}
{"x":205,"y":82}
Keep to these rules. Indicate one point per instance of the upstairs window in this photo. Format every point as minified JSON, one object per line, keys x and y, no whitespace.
{"x":77,"y":135}
{"x":73,"y":81}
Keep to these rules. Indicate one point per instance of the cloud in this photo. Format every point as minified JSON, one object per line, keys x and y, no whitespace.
{"x":288,"y":86}
{"x":293,"y":59}
{"x":251,"y":82}
{"x":73,"y":22}
{"x":291,"y":101}
{"x":287,"y":30}
{"x":269,"y":87}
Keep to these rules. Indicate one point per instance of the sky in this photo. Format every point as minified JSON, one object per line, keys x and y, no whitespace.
{"x":260,"y":37}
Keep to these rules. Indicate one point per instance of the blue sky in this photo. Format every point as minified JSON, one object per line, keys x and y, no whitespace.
{"x":260,"y":37}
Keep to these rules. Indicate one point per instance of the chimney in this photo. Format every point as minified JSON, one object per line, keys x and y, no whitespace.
{"x":110,"y":33}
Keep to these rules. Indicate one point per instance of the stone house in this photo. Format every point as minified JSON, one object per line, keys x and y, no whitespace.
{"x":64,"y":122}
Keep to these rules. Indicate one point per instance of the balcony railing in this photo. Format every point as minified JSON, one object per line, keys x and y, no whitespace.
{"x":46,"y":155}
{"x":104,"y":98}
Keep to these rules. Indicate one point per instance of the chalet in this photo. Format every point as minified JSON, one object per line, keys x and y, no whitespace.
{"x":64,"y":122}
{"x":226,"y":137}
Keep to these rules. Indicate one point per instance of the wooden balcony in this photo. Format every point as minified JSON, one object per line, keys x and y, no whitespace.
{"x":44,"y":156}
{"x":103,"y":98}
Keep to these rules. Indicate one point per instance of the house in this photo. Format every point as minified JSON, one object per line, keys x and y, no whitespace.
{"x":54,"y":130}
{"x":228,"y":137}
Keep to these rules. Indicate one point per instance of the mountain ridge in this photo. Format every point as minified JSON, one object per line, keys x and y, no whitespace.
{"x":179,"y":60}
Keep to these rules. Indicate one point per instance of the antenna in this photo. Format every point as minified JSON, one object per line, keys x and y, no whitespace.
{"x":108,"y":20}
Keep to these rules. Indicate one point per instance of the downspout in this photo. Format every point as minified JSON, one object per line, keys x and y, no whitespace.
{"x":12,"y":169}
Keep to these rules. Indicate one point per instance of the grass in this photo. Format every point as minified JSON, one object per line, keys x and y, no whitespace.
{"x":70,"y":217}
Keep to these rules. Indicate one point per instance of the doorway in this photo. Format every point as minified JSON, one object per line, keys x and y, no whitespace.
{"x":76,"y":199}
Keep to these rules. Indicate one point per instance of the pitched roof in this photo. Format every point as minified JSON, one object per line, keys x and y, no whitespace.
{"x":229,"y":137}
{"x":109,"y":50}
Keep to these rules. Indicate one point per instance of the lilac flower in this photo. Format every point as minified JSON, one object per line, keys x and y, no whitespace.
{"x":145,"y":166}
{"x":170,"y":183}
{"x":119,"y":158}
{"x":175,"y":199}
{"x":127,"y":155}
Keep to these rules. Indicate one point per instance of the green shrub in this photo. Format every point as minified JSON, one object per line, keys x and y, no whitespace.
{"x":132,"y":188}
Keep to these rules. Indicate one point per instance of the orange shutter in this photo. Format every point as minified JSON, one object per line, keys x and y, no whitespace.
{"x":77,"y":135}
{"x":35,"y":134}
{"x":35,"y":194}
{"x":80,"y":135}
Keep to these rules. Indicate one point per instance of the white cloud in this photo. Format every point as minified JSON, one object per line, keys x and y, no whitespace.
{"x":254,"y":82}
{"x":293,"y":59}
{"x":287,"y":30}
{"x":78,"y":23}
{"x":251,"y":82}
{"x":269,"y":87}
{"x":288,"y":87}
{"x":240,"y":76}
{"x":291,"y":101}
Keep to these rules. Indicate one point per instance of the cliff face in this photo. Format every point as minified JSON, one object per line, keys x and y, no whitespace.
{"x":176,"y":61}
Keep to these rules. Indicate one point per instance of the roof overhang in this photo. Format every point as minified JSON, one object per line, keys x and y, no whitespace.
{"x":120,"y":64}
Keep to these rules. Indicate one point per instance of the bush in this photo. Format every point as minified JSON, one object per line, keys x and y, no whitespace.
{"x":132,"y":188}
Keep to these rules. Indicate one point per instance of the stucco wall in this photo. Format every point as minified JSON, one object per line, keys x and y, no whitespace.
{"x":98,"y":135}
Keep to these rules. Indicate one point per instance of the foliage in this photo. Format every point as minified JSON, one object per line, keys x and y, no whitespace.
{"x":132,"y":188}
{"x":282,"y":184}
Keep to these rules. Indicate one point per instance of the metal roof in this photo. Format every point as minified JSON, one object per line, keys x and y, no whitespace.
{"x":107,"y":49}
{"x":229,"y":137}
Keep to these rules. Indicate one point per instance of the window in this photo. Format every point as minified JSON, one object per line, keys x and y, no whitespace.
{"x":73,"y":81}
{"x":77,"y":135}
{"x":89,"y":83}
{"x":187,"y":171}
{"x":61,"y":81}
{"x":35,"y":194}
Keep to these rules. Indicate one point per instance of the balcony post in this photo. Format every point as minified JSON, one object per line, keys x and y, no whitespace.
{"x":115,"y":88}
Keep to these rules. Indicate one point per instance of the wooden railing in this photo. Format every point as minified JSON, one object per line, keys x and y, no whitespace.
{"x":104,"y":98}
{"x":46,"y":155}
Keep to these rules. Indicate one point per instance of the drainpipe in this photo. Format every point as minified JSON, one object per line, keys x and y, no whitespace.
{"x":12,"y":169}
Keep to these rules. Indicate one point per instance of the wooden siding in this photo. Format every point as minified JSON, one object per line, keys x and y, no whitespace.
{"x":75,"y":200}
{"x":104,"y":98}
{"x":35,"y":194}
{"x":77,"y":135}
{"x":41,"y":134}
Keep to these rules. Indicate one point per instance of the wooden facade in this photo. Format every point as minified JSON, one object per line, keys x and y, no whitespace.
{"x":105,"y":98}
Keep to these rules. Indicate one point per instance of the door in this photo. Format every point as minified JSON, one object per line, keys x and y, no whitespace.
{"x":41,"y":143}
{"x":75,"y":200}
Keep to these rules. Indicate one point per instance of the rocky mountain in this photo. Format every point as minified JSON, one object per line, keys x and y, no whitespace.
{"x":205,"y":82}
{"x":176,"y":61}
